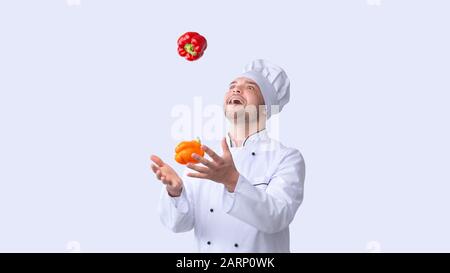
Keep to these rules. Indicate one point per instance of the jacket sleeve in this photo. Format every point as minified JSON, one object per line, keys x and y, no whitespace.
{"x":177,"y":213}
{"x":272,"y":209}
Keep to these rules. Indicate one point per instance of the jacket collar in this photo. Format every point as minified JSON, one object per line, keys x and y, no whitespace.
{"x":253,"y":138}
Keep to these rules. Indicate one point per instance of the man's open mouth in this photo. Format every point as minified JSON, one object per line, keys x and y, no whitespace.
{"x":237,"y":100}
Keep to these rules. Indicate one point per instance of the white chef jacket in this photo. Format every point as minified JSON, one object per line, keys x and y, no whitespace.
{"x":253,"y":218}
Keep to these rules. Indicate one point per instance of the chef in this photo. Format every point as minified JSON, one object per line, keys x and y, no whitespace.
{"x":244,"y":199}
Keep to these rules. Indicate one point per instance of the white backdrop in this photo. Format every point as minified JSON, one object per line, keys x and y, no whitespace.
{"x":87,"y":88}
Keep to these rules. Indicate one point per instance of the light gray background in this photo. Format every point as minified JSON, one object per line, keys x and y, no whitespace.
{"x":86,"y":93}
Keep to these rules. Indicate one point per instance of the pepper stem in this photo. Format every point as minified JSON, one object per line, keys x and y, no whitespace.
{"x":190,"y":49}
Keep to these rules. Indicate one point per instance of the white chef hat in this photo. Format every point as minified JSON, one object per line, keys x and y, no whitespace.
{"x":273,"y":82}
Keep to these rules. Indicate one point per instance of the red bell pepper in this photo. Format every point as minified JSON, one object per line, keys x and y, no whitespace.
{"x":191,"y":45}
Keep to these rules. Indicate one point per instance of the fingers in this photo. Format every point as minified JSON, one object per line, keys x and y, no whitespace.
{"x":158,"y":161}
{"x":211,"y":153}
{"x":162,"y":177}
{"x":158,"y":174}
{"x":155,"y":168}
{"x":201,"y":159}
{"x":165,"y":181}
{"x":198,"y":175}
{"x":225,"y":147}
{"x":197,"y":168}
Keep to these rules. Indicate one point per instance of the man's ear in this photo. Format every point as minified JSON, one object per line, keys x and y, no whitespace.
{"x":261,"y":97}
{"x":262,"y":112}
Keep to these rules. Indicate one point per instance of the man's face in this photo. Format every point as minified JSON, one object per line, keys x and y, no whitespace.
{"x":243,"y":94}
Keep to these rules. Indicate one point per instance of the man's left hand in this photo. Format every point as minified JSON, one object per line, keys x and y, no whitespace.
{"x":219,"y":169}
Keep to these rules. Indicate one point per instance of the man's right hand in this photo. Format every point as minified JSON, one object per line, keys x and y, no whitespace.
{"x":168,"y":176}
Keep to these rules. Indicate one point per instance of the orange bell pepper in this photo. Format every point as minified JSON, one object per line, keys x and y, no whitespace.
{"x":184,"y":151}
